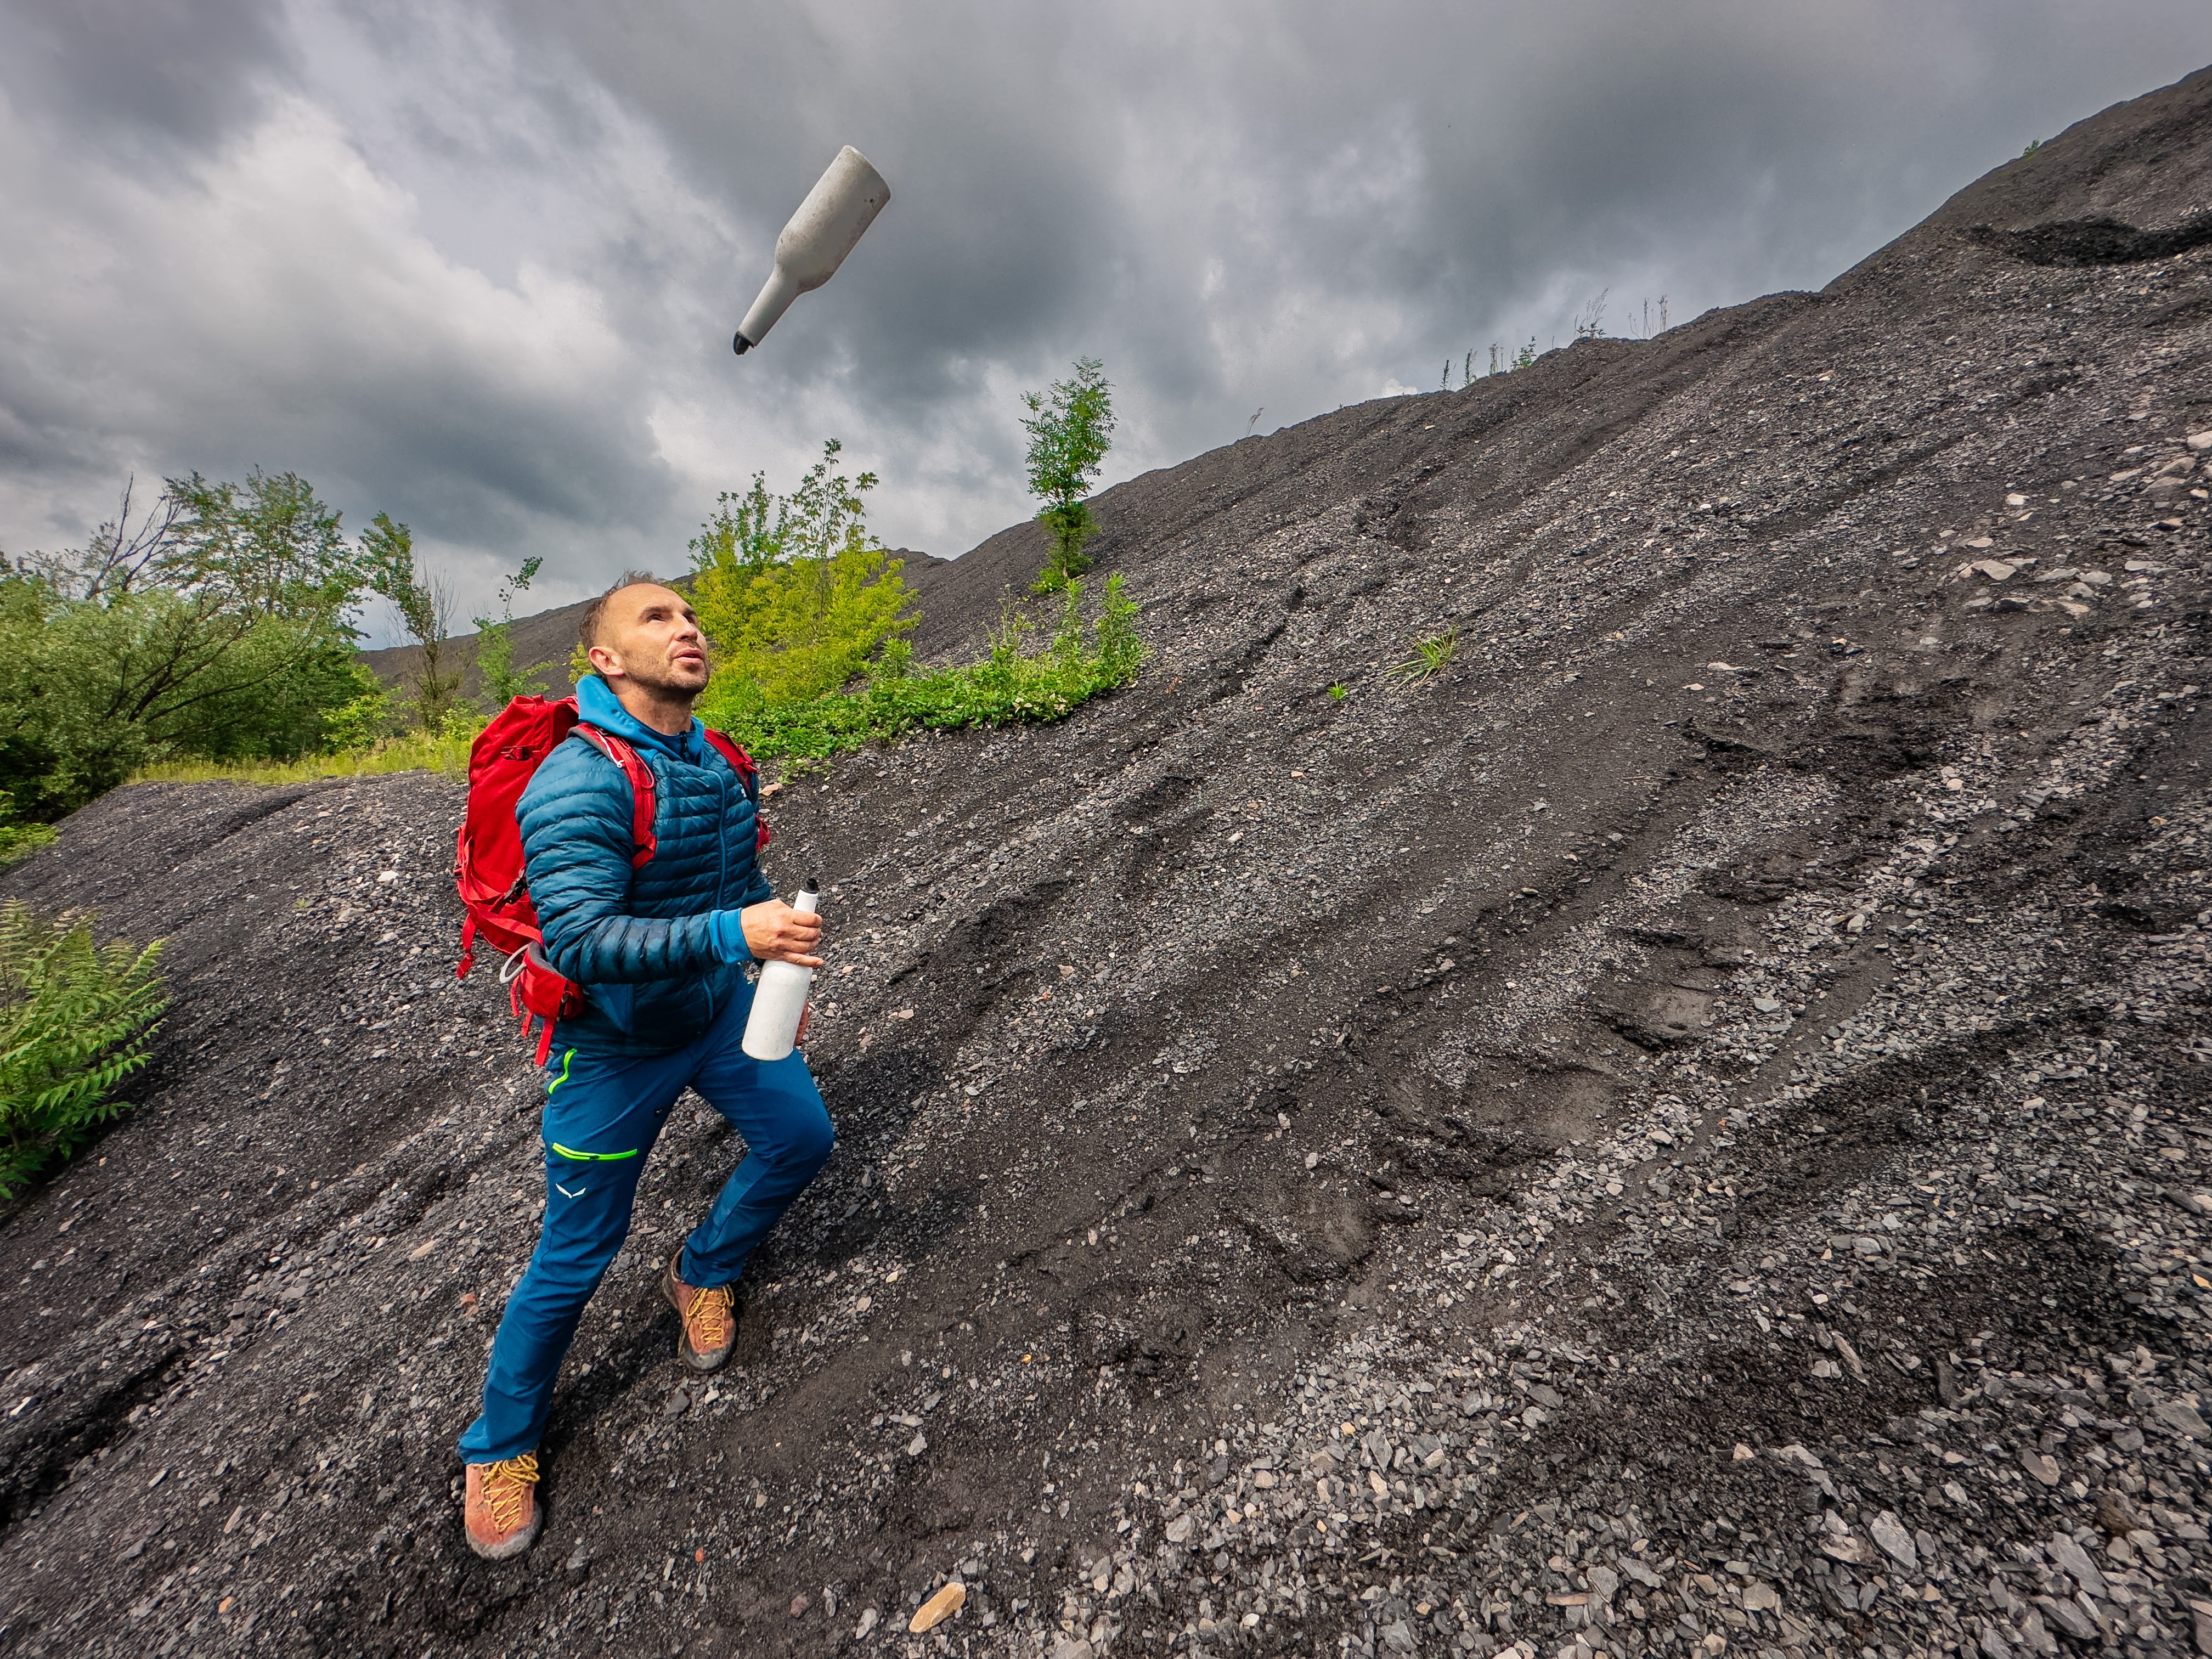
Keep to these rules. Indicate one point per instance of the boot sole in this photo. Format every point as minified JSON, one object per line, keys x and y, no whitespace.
{"x":508,"y":1547}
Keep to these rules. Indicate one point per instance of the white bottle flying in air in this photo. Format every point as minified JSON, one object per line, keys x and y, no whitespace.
{"x":842,"y":204}
{"x":780,"y":997}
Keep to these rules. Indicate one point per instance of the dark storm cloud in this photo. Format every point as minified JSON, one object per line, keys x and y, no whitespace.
{"x":1155,"y":183}
{"x":479,"y":265}
{"x":136,"y":77}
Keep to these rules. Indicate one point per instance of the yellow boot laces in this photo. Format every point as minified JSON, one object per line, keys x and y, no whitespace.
{"x":505,"y":1487}
{"x":709,"y":1314}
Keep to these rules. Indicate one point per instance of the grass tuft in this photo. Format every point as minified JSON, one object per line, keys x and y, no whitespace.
{"x":444,"y":752}
{"x":1429,"y":658}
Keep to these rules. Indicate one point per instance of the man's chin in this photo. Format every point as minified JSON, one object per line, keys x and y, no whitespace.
{"x":679,"y":679}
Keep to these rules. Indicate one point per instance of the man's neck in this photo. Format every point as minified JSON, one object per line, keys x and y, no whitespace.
{"x":665,"y":712}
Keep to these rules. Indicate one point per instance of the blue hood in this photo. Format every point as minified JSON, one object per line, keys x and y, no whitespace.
{"x":596,"y":703}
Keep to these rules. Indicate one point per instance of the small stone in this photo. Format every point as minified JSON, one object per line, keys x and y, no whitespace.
{"x":678,"y":1403}
{"x":864,"y":1305}
{"x":2070,"y":1556}
{"x":1743,"y":1454}
{"x":2041,"y":1465}
{"x":1896,"y":1542}
{"x":1848,"y":1549}
{"x":1072,"y":1647}
{"x":1765,"y":1004}
{"x":2067,"y":1617}
{"x":916,"y":1447}
{"x":1179,"y":1529}
{"x":2200,"y":440}
{"x":800,"y":1602}
{"x":2182,"y":1419}
{"x":1760,"y":1597}
{"x":2015,"y":499}
{"x":941,"y":1607}
{"x":869,"y":1620}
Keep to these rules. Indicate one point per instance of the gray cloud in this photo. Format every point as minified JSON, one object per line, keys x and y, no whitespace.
{"x":132,"y":78}
{"x":479,"y":267}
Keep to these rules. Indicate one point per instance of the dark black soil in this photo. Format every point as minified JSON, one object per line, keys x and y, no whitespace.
{"x":1684,"y":1131}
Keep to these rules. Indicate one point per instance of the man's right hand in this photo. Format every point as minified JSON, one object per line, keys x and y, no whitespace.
{"x":776,"y":933}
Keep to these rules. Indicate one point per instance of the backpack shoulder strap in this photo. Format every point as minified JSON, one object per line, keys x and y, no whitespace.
{"x":740,"y":763}
{"x":642,"y":786}
{"x":748,"y":776}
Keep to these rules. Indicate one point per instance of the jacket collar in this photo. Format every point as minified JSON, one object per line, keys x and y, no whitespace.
{"x":596,"y":703}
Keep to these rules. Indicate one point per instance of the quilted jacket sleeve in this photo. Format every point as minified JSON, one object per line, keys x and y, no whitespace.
{"x":576,"y":846}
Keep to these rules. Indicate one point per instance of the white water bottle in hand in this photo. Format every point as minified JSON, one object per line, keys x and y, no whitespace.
{"x":780,"y":997}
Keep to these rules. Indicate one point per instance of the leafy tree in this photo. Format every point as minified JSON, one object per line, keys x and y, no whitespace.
{"x":75,"y":1017}
{"x":793,"y":591}
{"x":1070,"y":429}
{"x":502,"y":681}
{"x":425,"y":605}
{"x":212,"y":623}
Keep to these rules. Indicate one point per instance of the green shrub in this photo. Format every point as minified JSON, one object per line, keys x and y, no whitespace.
{"x":425,"y":605}
{"x":1070,"y":431}
{"x":793,"y":591}
{"x":75,"y":1017}
{"x":1009,"y":687}
{"x":502,"y":681}
{"x":213,"y":626}
{"x":19,"y":841}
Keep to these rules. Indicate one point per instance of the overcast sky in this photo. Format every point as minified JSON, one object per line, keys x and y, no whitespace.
{"x":478,"y":265}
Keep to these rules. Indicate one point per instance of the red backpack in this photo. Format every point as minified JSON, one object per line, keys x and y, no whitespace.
{"x":488,"y":869}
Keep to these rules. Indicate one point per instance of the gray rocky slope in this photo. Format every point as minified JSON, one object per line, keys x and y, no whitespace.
{"x":1683,"y":1132}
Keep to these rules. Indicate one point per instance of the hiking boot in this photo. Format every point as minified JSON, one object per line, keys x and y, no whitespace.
{"x":500,"y":1510}
{"x":710,"y":1320}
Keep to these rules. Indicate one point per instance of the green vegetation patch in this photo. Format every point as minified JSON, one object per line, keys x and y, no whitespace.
{"x":1011,"y":686}
{"x":75,"y":1019}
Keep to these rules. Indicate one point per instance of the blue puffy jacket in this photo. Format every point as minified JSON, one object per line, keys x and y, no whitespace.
{"x":657,"y":947}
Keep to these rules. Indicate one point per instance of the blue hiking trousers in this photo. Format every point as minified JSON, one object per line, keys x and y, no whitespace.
{"x":601,"y":1116}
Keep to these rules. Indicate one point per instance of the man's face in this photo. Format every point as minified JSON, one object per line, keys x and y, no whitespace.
{"x":648,"y":635}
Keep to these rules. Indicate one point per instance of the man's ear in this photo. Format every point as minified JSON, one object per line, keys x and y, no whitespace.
{"x":606,"y":662}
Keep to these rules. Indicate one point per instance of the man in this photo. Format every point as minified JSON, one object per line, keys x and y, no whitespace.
{"x":659,"y":948}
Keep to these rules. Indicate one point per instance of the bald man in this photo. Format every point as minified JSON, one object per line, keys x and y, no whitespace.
{"x":659,"y":950}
